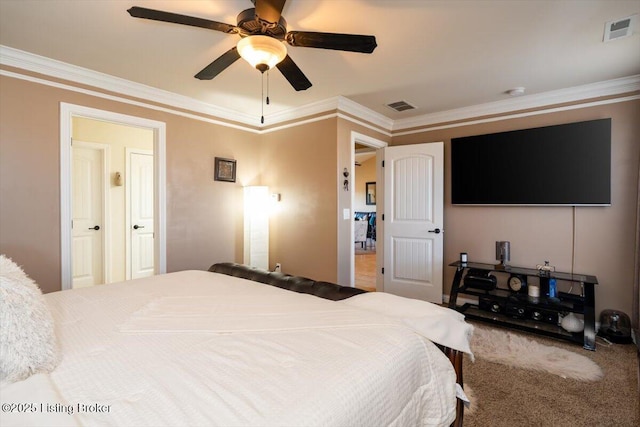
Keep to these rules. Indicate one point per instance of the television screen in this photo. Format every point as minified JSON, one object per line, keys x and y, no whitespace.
{"x":566,"y":164}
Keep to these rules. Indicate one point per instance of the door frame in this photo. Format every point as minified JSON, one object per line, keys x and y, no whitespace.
{"x":67,"y":113}
{"x":105,"y":150}
{"x":127,"y":206}
{"x":378,"y":145}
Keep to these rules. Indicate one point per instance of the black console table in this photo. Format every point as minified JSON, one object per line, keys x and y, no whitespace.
{"x":517,"y":310}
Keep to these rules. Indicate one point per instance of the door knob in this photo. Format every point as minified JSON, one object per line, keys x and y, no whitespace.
{"x":437,"y":231}
{"x":135,"y":227}
{"x":97,"y":227}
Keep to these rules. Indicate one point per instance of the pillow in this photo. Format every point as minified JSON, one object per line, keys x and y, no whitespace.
{"x":27,"y":339}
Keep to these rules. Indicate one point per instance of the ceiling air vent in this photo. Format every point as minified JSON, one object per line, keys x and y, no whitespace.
{"x":614,"y":30}
{"x":401,"y":106}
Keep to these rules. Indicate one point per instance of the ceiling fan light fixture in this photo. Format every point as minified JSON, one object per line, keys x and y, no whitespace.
{"x":262,"y":52}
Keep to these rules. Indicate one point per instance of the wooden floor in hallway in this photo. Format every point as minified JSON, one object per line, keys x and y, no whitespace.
{"x":365,"y":271}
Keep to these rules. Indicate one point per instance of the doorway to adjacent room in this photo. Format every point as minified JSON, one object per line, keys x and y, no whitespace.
{"x":365,"y":261}
{"x":113,"y":171}
{"x":364,"y":213}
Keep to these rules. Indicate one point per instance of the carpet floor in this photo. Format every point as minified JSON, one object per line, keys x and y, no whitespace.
{"x":507,"y":396}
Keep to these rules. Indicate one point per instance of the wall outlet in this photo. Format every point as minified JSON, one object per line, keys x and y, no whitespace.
{"x":278,"y":267}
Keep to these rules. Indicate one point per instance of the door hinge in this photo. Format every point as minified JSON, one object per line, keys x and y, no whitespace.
{"x":72,"y":224}
{"x":383,"y":217}
{"x":383,"y":163}
{"x":382,"y":270}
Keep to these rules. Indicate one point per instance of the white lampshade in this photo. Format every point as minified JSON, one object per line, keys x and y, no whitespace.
{"x":262,"y":50}
{"x":256,"y":226}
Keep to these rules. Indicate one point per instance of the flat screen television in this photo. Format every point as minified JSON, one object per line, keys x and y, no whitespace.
{"x":563,"y":165}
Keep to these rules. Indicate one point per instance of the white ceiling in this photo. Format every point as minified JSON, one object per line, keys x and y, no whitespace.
{"x":436,"y":55}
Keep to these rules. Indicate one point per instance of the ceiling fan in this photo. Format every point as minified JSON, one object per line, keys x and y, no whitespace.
{"x":263,"y":30}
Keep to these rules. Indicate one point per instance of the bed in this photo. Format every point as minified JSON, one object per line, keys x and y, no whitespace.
{"x":236,"y":346}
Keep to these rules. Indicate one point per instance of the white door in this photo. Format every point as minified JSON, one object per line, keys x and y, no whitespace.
{"x":88,"y":212}
{"x":413,"y":220}
{"x":140,"y":259}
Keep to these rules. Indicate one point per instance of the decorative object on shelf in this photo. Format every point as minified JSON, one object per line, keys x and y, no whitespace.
{"x":615,"y":326}
{"x":503,"y":254}
{"x":464,"y":258}
{"x":480,"y":279}
{"x":225,"y":169}
{"x":544,"y":271}
{"x":534,"y":293}
{"x":517,"y":283}
{"x":546,"y":268}
{"x":571,"y":323}
{"x":553,"y":289}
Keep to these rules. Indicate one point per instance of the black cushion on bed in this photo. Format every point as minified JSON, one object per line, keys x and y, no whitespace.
{"x":298,"y":284}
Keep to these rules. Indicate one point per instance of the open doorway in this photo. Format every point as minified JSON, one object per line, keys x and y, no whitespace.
{"x":112,"y":202}
{"x":118,"y":133}
{"x":365,"y":205}
{"x":364,"y":213}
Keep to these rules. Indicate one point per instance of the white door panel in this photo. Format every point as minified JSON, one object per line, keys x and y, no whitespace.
{"x":413,"y":249}
{"x":141,"y":208}
{"x":87,"y":207}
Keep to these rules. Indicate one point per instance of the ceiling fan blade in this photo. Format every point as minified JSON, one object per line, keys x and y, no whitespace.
{"x":219,"y":65}
{"x":293,"y":74}
{"x":159,"y":15}
{"x":269,"y":10}
{"x":348,"y":42}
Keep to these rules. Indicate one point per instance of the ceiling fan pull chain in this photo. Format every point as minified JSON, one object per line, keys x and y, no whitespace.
{"x":262,"y":98}
{"x":267,"y":87}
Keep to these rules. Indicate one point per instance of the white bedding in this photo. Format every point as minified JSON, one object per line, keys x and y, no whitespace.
{"x":204,"y":349}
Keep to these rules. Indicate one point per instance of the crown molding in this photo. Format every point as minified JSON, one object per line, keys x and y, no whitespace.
{"x":535,"y":101}
{"x":61,"y":70}
{"x":348,"y":106}
{"x":360,"y":114}
{"x":296,"y":113}
{"x":339,"y":103}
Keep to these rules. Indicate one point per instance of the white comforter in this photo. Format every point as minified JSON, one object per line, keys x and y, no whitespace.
{"x":203,"y":349}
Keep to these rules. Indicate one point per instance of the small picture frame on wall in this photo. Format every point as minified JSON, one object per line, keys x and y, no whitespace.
{"x":370,"y":193}
{"x":225,"y":170}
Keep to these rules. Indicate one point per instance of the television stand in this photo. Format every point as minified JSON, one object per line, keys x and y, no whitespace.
{"x":516,"y":310}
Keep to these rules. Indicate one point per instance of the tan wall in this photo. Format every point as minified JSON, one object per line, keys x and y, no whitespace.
{"x":604,"y":235}
{"x":119,"y":138}
{"x":304,"y":164}
{"x":299,"y":163}
{"x":204,"y":217}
